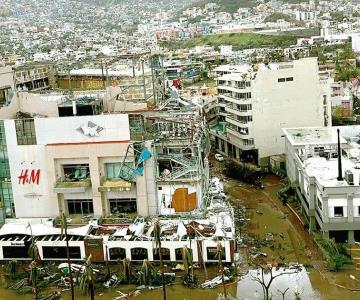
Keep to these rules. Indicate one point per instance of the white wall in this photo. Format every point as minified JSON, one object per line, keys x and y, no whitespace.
{"x":332,"y":202}
{"x":277,"y":105}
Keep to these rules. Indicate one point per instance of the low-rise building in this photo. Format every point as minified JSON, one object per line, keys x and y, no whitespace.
{"x":327,"y":180}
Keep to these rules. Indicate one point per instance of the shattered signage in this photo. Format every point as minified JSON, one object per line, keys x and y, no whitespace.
{"x":29,"y":176}
{"x":17,"y":244}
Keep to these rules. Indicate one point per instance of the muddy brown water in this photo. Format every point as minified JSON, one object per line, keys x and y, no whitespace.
{"x":267,"y":215}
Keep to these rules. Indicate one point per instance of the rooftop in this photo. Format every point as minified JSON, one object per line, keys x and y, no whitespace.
{"x":312,"y":136}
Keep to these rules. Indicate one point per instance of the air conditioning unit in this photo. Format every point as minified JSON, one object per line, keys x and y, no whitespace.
{"x":349,"y":177}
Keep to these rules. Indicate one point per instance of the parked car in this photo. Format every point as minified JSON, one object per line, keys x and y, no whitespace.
{"x":219,"y":157}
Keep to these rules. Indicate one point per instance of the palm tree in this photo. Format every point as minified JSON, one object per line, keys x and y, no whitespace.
{"x":125,"y":272}
{"x":188,"y":265}
{"x":219,"y":254}
{"x":34,"y":276}
{"x":64,"y":231}
{"x":33,"y":250}
{"x":87,"y":278}
{"x":157,"y":235}
{"x":147,"y":273}
{"x":10,"y":268}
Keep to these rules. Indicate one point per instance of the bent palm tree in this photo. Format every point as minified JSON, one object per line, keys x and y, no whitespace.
{"x":188,"y":265}
{"x":33,"y":250}
{"x":64,"y":232}
{"x":157,"y":235}
{"x":125,"y":270}
{"x":87,"y":278}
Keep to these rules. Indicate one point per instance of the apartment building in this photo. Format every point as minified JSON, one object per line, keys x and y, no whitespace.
{"x":256,"y":102}
{"x":327,"y":184}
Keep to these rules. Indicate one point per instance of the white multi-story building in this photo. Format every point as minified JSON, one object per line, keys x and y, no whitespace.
{"x":329,"y":194}
{"x":256,"y":102}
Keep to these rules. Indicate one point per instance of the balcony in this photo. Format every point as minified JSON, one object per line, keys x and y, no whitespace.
{"x":71,"y":187}
{"x":232,"y":99}
{"x":234,"y":111}
{"x":114,"y":185}
{"x":233,"y":88}
{"x":75,"y":179}
{"x":233,"y":121}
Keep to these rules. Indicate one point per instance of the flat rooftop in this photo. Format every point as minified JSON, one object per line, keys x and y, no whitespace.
{"x":312,"y":136}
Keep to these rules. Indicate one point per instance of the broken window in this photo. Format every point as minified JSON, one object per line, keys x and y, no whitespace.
{"x":117,"y":170}
{"x":54,"y":252}
{"x":212,"y":253}
{"x":126,"y":205}
{"x":338,"y":211}
{"x":179,"y":253}
{"x":117,"y":253}
{"x":76,"y":172}
{"x":139,"y":254}
{"x":5,"y":96}
{"x":80,"y":207}
{"x":165,"y":254}
{"x":25,"y":132}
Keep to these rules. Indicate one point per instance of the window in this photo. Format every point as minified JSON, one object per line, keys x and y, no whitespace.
{"x":122,"y":205}
{"x":338,"y":211}
{"x":60,"y":252}
{"x":76,"y":172}
{"x":5,"y":96}
{"x":319,"y":203}
{"x":80,"y":207}
{"x":116,"y":170}
{"x":117,"y":253}
{"x":359,"y":211}
{"x":25,"y":132}
{"x":281,"y":79}
{"x":290,"y":79}
{"x":212,"y":253}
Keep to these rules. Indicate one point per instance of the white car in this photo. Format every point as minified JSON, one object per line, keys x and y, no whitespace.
{"x":219,"y":157}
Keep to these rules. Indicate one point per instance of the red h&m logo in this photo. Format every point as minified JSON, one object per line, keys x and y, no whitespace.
{"x":28,"y":177}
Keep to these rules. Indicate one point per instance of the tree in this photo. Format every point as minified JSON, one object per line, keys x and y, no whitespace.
{"x":10,"y":268}
{"x":266,"y":284}
{"x":157,"y":235}
{"x":64,"y":232}
{"x":33,"y":250}
{"x":219,"y":254}
{"x":187,"y":259}
{"x":87,"y":278}
{"x":125,"y":272}
{"x":147,"y":273}
{"x":34,"y":278}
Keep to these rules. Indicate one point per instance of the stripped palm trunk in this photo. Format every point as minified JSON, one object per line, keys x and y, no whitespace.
{"x":34,"y":273}
{"x":146,"y":273}
{"x":64,"y":231}
{"x":188,"y":263}
{"x":219,"y":255}
{"x":157,"y":235}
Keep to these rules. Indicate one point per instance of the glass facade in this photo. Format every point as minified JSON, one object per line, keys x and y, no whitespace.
{"x":6,"y":195}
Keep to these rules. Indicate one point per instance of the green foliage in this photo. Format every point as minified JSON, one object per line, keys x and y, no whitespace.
{"x":147,"y":273}
{"x":239,"y":41}
{"x":278,"y":16}
{"x":335,"y":253}
{"x":230,"y":6}
{"x":87,"y":277}
{"x":347,"y":72}
{"x":10,"y":268}
{"x":125,"y":274}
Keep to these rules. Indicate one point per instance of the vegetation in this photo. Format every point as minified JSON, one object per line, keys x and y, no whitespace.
{"x":278,"y":16}
{"x":147,"y":273}
{"x":189,"y":278}
{"x":87,"y":278}
{"x":219,"y":254}
{"x":239,"y":41}
{"x":229,"y":6}
{"x":335,"y":253}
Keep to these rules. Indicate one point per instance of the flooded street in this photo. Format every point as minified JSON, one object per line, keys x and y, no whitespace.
{"x":268,"y":218}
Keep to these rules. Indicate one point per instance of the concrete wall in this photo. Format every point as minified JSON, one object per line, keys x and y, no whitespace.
{"x":278,"y":105}
{"x":58,"y":142}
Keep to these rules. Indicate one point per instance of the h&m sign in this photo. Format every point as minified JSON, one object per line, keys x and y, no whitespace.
{"x":29,"y":176}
